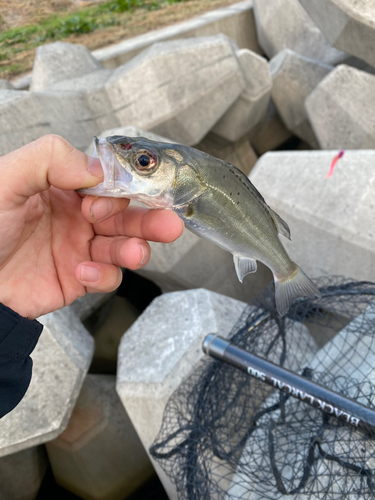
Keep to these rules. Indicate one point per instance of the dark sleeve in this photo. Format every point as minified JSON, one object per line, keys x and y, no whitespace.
{"x":18,"y":337}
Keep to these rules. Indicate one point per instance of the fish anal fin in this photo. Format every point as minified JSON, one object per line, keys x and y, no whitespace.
{"x":244,"y":266}
{"x":281,"y":225}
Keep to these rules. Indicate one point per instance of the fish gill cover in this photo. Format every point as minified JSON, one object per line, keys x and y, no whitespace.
{"x":226,"y":435}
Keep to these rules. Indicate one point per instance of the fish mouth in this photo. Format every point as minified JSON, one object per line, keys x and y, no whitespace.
{"x":116,"y":178}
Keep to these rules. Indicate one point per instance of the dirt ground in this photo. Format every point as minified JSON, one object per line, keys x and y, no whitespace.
{"x":22,"y":12}
{"x":16,"y":13}
{"x":143,"y":21}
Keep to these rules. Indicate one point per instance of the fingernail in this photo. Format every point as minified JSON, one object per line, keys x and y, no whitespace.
{"x":100,"y":209}
{"x":145,"y":255}
{"x":90,"y":273}
{"x":94,"y":166}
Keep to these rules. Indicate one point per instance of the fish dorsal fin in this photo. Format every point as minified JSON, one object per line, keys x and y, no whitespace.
{"x":244,"y":266}
{"x":281,"y":225}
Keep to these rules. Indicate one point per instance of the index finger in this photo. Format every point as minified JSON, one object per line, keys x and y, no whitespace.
{"x":47,"y":161}
{"x":149,"y":224}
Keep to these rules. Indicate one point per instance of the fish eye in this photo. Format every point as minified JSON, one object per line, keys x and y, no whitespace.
{"x":145,"y":161}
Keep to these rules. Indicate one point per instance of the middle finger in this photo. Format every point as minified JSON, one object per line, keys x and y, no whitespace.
{"x":154,"y":225}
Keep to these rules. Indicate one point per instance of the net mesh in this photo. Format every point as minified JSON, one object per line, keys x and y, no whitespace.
{"x":226,"y":435}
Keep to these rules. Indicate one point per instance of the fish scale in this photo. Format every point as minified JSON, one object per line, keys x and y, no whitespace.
{"x":247,"y":216}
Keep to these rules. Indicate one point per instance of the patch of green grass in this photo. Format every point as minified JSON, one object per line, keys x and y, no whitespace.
{"x":60,"y":26}
{"x":82,"y":21}
{"x":15,"y":68}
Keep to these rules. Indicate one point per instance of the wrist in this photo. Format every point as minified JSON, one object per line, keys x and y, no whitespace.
{"x":11,"y":323}
{"x":17,"y":309}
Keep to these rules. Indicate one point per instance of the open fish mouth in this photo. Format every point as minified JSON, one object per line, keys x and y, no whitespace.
{"x":116,"y":179}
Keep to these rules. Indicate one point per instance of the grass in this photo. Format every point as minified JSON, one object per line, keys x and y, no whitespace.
{"x":94,"y":25}
{"x":59,"y":26}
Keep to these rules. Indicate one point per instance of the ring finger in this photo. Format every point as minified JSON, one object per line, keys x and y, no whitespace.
{"x":121,"y":251}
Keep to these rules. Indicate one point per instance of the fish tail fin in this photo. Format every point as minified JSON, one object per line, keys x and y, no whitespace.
{"x":296,"y":285}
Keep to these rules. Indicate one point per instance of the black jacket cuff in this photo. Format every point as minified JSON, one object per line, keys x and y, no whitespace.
{"x":18,"y":338}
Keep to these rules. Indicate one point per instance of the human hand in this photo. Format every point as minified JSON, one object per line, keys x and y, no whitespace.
{"x":54,"y":246}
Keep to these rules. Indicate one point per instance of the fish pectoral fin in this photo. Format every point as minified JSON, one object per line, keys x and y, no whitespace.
{"x":281,"y":225}
{"x":244,"y":266}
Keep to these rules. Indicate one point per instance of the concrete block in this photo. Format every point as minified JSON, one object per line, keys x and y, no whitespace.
{"x":178,"y":89}
{"x":235,"y":21}
{"x":21,"y":120}
{"x":355,"y":62}
{"x":163,"y":347}
{"x":128,"y":131}
{"x":336,"y":484}
{"x":91,"y":89}
{"x":120,"y":315}
{"x":26,"y":116}
{"x":238,"y":153}
{"x":60,"y":61}
{"x":284,"y":24}
{"x":68,"y":116}
{"x":294,"y":77}
{"x":192,"y":262}
{"x":331,"y":220}
{"x":251,"y":106}
{"x":350,"y":353}
{"x":22,"y":82}
{"x":269,"y":133}
{"x":21,"y":474}
{"x":255,"y":456}
{"x":349,"y":357}
{"x":347,"y":25}
{"x":4,"y":84}
{"x":99,"y":455}
{"x":247,"y":482}
{"x":86,"y":305}
{"x":341,"y":109}
{"x":60,"y":362}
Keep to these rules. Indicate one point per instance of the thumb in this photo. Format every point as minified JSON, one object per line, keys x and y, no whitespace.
{"x":48,"y":161}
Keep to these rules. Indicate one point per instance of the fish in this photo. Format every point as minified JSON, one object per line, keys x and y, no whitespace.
{"x":214,"y":199}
